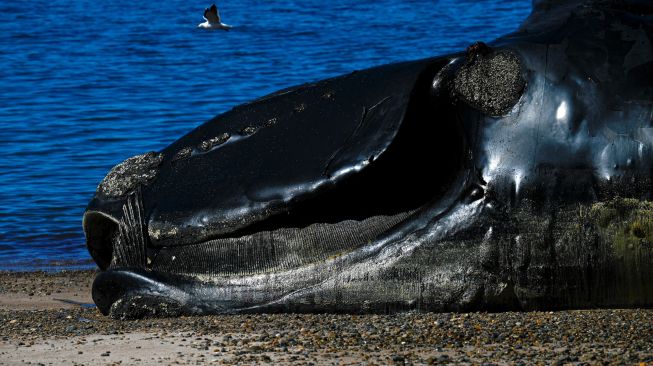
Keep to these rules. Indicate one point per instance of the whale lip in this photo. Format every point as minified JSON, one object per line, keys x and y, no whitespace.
{"x":132,"y":293}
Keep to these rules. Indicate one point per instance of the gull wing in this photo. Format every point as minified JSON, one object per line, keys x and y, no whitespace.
{"x":211,"y":14}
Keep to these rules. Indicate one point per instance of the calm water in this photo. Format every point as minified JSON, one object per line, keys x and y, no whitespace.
{"x":90,"y":83}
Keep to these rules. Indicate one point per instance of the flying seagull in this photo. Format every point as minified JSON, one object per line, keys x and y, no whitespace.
{"x":212,"y":17}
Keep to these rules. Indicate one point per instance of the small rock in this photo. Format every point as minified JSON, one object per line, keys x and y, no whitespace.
{"x":398,"y":358}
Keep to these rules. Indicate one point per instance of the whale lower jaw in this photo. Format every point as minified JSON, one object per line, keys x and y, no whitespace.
{"x":457,"y":262}
{"x":135,"y":293}
{"x":375,"y":278}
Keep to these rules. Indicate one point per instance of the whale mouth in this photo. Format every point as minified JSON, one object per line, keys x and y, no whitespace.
{"x":221,"y":219}
{"x":413,"y":173}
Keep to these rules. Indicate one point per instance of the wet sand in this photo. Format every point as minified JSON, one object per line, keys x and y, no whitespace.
{"x":47,"y":319}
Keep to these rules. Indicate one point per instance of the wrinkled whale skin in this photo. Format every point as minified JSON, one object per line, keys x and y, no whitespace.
{"x":511,"y":176}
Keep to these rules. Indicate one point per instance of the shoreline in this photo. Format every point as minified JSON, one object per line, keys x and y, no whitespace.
{"x":48,"y":317}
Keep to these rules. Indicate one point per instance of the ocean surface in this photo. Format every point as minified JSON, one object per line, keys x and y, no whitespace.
{"x":86,"y":84}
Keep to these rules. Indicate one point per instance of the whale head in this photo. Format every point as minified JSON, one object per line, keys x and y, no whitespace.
{"x":513,"y":175}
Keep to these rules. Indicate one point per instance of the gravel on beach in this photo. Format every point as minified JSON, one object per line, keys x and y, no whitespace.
{"x":68,"y":332}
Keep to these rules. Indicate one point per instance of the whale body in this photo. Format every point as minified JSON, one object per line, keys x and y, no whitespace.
{"x":513,"y":175}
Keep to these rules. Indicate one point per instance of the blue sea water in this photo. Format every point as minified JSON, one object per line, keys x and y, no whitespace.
{"x":86,"y":84}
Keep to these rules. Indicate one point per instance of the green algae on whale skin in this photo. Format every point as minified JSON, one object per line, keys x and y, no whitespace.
{"x":579,"y":255}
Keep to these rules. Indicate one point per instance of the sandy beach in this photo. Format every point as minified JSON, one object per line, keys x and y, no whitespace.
{"x":48,"y":318}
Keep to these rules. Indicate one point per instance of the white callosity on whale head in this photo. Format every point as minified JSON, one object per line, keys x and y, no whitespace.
{"x":126,"y":176}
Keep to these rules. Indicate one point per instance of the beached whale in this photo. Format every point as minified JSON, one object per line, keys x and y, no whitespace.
{"x":513,"y":175}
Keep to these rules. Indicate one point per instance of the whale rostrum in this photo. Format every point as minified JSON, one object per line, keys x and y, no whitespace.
{"x":513,"y":175}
